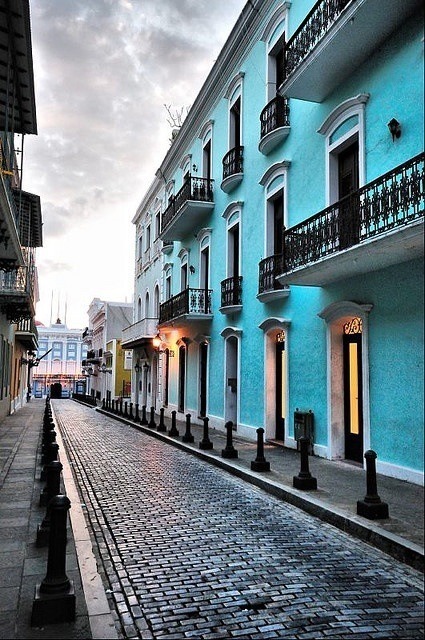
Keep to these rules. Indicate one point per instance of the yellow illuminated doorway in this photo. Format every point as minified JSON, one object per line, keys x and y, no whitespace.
{"x":280,"y":386}
{"x":353,"y":392}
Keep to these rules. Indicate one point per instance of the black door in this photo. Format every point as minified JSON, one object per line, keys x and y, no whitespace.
{"x":203,"y":357}
{"x":353,"y":404}
{"x":182,"y":377}
{"x":280,"y":390}
{"x":348,"y":182}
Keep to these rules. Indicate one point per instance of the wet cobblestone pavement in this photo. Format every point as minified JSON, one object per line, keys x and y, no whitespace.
{"x":188,"y":551}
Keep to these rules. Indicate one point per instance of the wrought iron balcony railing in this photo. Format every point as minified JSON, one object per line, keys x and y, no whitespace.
{"x":194,"y":189}
{"x":17,"y":293}
{"x":233,"y":162}
{"x":268,"y":270}
{"x":231,"y":292}
{"x":274,"y":115}
{"x":190,"y":302}
{"x":316,"y":24}
{"x":392,"y":201}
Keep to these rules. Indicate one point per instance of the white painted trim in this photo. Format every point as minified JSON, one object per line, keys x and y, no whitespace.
{"x":232,"y":208}
{"x":335,"y":315}
{"x":277,"y":169}
{"x":206,"y":128}
{"x":233,"y":84}
{"x":401,"y":473}
{"x":279,"y":14}
{"x":339,"y":114}
{"x":274,"y":323}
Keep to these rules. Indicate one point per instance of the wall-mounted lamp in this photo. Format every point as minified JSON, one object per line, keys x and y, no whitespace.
{"x":156,"y":342}
{"x":192,"y":269}
{"x":103,"y":369}
{"x":194,"y":168}
{"x":146,"y":366}
{"x":137,"y":367}
{"x":395,"y":128}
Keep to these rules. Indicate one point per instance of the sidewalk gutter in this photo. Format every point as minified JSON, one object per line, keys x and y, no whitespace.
{"x":395,"y":546}
{"x":100,"y":617}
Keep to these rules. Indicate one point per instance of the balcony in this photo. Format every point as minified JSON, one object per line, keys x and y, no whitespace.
{"x":232,"y":169}
{"x":188,"y":305}
{"x":94,"y":356}
{"x":376,"y":226}
{"x":269,"y":288}
{"x":17,"y":293}
{"x":139,"y":333}
{"x":26,"y":333}
{"x":231,"y":295}
{"x":188,"y":210}
{"x":335,"y":38}
{"x":274,"y":120}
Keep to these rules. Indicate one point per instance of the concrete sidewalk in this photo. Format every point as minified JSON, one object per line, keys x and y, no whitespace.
{"x":340,"y":486}
{"x":22,"y":563}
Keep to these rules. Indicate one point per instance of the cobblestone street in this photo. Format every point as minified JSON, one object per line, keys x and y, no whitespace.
{"x":188,"y":550}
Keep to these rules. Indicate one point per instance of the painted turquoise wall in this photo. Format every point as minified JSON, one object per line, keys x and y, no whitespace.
{"x":393,"y":76}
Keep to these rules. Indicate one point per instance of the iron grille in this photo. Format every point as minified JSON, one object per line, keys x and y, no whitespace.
{"x":233,"y":162}
{"x":269,"y":269}
{"x":316,"y":24}
{"x":191,"y":302}
{"x":231,"y":292}
{"x":194,"y":189}
{"x":274,"y":115}
{"x":391,"y":201}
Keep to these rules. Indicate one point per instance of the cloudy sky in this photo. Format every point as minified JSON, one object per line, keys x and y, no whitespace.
{"x":104,"y":70}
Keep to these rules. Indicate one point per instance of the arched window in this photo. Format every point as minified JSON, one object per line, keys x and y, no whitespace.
{"x":344,"y":131}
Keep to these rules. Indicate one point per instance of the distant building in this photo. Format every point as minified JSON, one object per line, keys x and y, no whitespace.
{"x":60,"y":354}
{"x":107,"y":367}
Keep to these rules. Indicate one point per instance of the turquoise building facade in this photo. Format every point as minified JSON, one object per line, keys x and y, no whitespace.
{"x":291,"y":204}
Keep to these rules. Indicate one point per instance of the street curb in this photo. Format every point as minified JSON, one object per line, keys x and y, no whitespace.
{"x":393,"y":545}
{"x":101,"y":621}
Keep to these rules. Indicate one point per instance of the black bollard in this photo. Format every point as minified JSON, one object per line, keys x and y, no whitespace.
{"x":304,"y":480}
{"x":125,"y":409}
{"x":113,"y":406}
{"x":161,"y":426}
{"x":54,"y":599}
{"x":372,"y":506}
{"x":48,"y":438}
{"x":173,"y":432}
{"x":50,"y":455}
{"x":103,"y":404}
{"x":144,"y":419}
{"x":52,"y":488}
{"x":152,"y":423}
{"x":260,"y":463}
{"x":206,"y":442}
{"x":131,"y":411}
{"x":229,"y":451}
{"x":188,"y":437}
{"x":136,"y":416}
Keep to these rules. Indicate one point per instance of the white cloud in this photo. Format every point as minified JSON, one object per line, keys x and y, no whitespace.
{"x":103,"y":71}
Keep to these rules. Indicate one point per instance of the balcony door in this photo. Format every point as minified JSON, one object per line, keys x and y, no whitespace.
{"x":348,"y":182}
{"x":353,"y":390}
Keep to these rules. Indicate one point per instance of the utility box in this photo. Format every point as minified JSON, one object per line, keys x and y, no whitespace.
{"x":304,"y":427}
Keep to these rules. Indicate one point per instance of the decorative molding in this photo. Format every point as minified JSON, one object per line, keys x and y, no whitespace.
{"x":277,"y":17}
{"x":231,"y":331}
{"x":274,"y":323}
{"x":344,"y":308}
{"x":206,"y":127}
{"x":278,"y":168}
{"x":233,"y":84}
{"x":347,"y":105}
{"x":231,"y":208}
